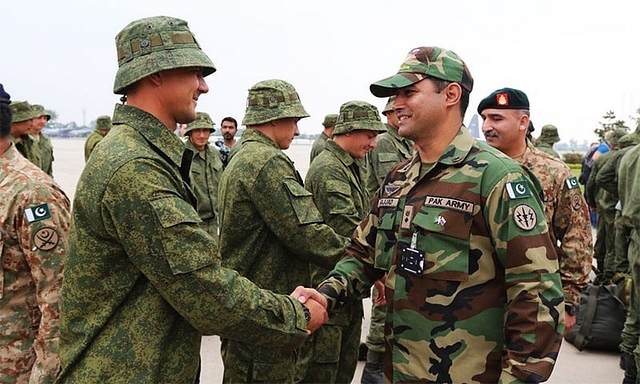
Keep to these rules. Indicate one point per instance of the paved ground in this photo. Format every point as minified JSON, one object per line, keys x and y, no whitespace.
{"x":573,"y":366}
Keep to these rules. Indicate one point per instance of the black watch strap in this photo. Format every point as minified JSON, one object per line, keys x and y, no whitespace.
{"x":307,"y":313}
{"x":571,"y":309}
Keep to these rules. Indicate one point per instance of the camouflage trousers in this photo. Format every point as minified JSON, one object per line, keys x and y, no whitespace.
{"x":375,"y":338}
{"x":330,"y":355}
{"x":631,"y":330}
{"x":247,"y":363}
{"x":603,"y":250}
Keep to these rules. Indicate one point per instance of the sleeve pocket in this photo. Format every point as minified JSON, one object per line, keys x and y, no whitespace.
{"x":302,"y":203}
{"x":171,"y":212}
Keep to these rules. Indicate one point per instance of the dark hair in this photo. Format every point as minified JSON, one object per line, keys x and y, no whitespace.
{"x":464,"y":98}
{"x":5,"y":118}
{"x":231,"y":119}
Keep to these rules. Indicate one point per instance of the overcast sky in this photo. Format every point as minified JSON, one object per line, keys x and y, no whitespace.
{"x":576,"y":61}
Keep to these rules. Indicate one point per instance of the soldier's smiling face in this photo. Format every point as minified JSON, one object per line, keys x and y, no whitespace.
{"x":199,"y":138}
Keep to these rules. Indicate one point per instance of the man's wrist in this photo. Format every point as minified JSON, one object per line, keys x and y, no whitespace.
{"x":307,"y":313}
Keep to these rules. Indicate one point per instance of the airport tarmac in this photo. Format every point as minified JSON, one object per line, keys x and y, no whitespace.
{"x":573,"y":366}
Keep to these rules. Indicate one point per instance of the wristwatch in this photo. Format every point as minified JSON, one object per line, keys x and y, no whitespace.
{"x":307,"y":313}
{"x":571,"y":309}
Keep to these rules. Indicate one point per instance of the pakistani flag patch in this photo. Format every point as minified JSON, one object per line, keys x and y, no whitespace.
{"x":518,"y":190}
{"x":572,"y":182}
{"x":38,"y":212}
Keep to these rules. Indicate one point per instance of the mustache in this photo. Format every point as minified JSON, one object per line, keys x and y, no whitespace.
{"x":490,"y":134}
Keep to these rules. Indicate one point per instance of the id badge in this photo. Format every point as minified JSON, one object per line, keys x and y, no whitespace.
{"x":412,"y":261}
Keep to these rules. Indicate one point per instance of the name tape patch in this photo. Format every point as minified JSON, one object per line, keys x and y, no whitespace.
{"x":449,"y":203}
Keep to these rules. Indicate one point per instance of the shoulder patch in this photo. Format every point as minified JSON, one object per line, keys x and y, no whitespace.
{"x":37,"y":213}
{"x":45,"y":239}
{"x":518,"y":190}
{"x":525,"y":217}
{"x":572,"y":182}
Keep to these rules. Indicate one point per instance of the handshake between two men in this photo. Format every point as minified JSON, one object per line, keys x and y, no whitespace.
{"x":317,"y":305}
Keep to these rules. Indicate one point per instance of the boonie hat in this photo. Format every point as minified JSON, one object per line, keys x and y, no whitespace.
{"x":155,"y":44}
{"x":358,"y":115}
{"x":615,"y":135}
{"x":330,"y":120}
{"x":505,"y":98}
{"x":549,"y":134}
{"x":628,"y":140}
{"x":389,"y":106}
{"x":22,"y":111}
{"x":271,"y":100}
{"x":423,"y":62}
{"x":202,"y":121}
{"x":41,"y":111}
{"x":103,"y":123}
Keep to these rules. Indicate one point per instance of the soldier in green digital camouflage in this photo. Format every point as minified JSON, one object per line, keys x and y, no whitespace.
{"x":34,"y":223}
{"x":548,"y":137}
{"x":270,"y":229}
{"x":101,"y":129}
{"x":43,"y":141}
{"x":143,"y":282}
{"x":21,"y":129}
{"x":473,"y":290}
{"x":391,"y":149}
{"x":605,"y":203}
{"x":206,"y":168}
{"x":336,"y":178}
{"x":505,"y":115}
{"x":319,"y":143}
{"x":629,"y":246}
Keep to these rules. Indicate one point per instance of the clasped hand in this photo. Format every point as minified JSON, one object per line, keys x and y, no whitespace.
{"x":316,"y":303}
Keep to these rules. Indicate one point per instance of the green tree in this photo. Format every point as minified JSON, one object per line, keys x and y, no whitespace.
{"x":610,"y":123}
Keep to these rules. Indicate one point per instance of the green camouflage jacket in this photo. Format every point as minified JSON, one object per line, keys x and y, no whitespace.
{"x":46,"y":154}
{"x":142,"y":281}
{"x":629,"y":193}
{"x":607,"y":177}
{"x":483,"y":302}
{"x":598,"y":197}
{"x":205,"y":176}
{"x":270,"y":232}
{"x":547,"y":148}
{"x":318,"y":146}
{"x":34,"y":224}
{"x":567,"y":217}
{"x":391,"y":149}
{"x":92,"y":140}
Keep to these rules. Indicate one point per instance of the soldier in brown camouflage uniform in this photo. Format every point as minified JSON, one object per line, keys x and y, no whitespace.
{"x":34,"y":222}
{"x":505,"y":114}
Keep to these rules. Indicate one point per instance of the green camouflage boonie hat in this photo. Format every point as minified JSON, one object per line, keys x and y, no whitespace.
{"x":155,"y":44}
{"x":202,"y":121}
{"x":423,"y":62}
{"x":103,"y":123}
{"x":389,"y":106}
{"x":615,"y":135}
{"x":549,"y":134}
{"x":271,"y":100}
{"x":23,"y":111}
{"x":628,"y":140}
{"x":41,"y":111}
{"x":330,"y":120}
{"x":358,"y":115}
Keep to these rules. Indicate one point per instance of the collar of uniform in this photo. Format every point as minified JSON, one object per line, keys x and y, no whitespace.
{"x":255,"y":135}
{"x":394,"y":133}
{"x":156,"y":133}
{"x":459,"y":148}
{"x":340,"y":153}
{"x":188,"y":144}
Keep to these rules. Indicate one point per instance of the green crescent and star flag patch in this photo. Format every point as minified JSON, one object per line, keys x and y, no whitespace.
{"x":37,"y":213}
{"x":518,"y":190}
{"x":572,"y":182}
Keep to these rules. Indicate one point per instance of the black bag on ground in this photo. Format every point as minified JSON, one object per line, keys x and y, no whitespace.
{"x":600,"y":319}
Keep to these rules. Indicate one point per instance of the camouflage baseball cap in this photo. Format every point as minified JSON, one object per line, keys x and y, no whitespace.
{"x":41,"y":111}
{"x":202,"y":121}
{"x":155,"y":44}
{"x":549,"y":134}
{"x":358,"y":115}
{"x":103,"y":123}
{"x":271,"y":100}
{"x":329,"y":120}
{"x":389,"y":106}
{"x":423,"y":62}
{"x":23,"y":111}
{"x":629,"y":140}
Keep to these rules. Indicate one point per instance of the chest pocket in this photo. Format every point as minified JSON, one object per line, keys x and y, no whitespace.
{"x":385,"y":238}
{"x":302,"y":203}
{"x":443,"y":235}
